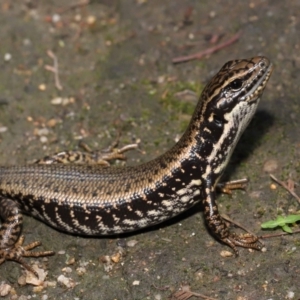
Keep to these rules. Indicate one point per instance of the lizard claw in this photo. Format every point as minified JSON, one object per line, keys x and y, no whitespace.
{"x":18,"y":252}
{"x":246,"y":240}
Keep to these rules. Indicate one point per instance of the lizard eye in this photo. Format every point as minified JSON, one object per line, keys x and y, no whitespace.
{"x":236,"y":84}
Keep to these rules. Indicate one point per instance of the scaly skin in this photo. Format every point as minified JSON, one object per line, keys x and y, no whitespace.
{"x":92,"y":200}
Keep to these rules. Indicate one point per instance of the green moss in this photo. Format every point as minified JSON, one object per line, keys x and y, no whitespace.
{"x":156,"y":142}
{"x":174,"y":103}
{"x":183,"y":125}
{"x":228,"y":207}
{"x":20,"y":108}
{"x":260,"y":212}
{"x":145,"y":114}
{"x":180,"y":109}
{"x":297,"y":243}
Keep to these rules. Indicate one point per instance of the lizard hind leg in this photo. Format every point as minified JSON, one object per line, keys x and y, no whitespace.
{"x":88,"y":156}
{"x":11,"y":243}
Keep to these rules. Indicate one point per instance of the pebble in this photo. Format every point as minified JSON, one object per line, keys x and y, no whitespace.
{"x":80,"y":271}
{"x":67,"y":282}
{"x":132,"y":243}
{"x":52,"y":122}
{"x":62,"y":100}
{"x":3,"y":129}
{"x":7,"y":56}
{"x":43,"y":139}
{"x":56,"y":18}
{"x":42,"y":87}
{"x":270,"y":166}
{"x":91,"y":20}
{"x":290,"y":295}
{"x":226,"y":253}
{"x":41,"y":131}
{"x":67,"y":270}
{"x":4,"y":289}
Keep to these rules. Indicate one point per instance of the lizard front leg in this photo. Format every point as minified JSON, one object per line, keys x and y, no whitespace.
{"x":218,"y":227}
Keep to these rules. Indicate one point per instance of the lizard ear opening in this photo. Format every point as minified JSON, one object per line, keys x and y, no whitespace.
{"x":218,"y":120}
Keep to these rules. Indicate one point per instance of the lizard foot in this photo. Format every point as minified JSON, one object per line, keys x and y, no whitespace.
{"x":246,"y":240}
{"x":18,"y":252}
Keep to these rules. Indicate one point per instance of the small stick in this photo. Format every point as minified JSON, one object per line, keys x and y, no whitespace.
{"x":75,"y":5}
{"x":184,"y":295}
{"x":286,"y":187}
{"x":54,"y":69}
{"x":207,"y":51}
{"x":226,"y":218}
{"x":187,"y":18}
{"x":267,"y":236}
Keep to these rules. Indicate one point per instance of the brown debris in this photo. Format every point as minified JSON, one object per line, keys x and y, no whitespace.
{"x":289,"y":186}
{"x":185,"y":293}
{"x":207,"y":51}
{"x":54,"y":69}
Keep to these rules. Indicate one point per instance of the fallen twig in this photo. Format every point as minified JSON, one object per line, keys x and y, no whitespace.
{"x":75,"y":5}
{"x":187,"y":18}
{"x":237,"y":224}
{"x":267,"y":236}
{"x":284,"y":185}
{"x":185,"y":293}
{"x":208,"y":51}
{"x":54,"y":69}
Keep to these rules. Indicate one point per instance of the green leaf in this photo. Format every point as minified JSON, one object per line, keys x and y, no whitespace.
{"x":282,"y":222}
{"x":292,"y":218}
{"x":286,"y":228}
{"x":274,"y":223}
